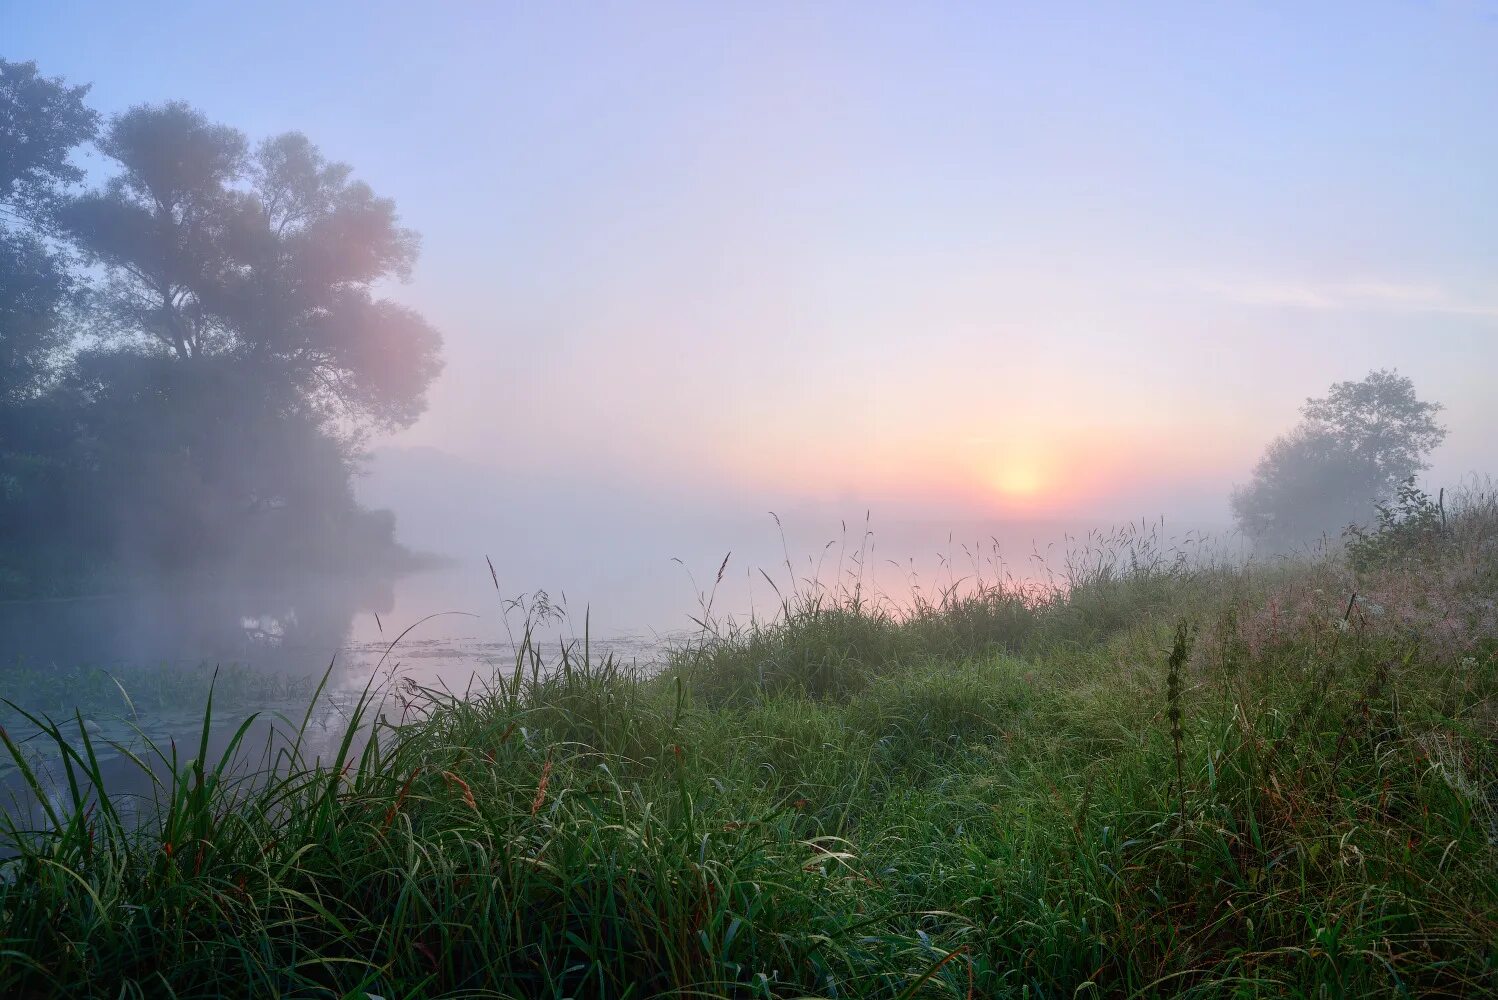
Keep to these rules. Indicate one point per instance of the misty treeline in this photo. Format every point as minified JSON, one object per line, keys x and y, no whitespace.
{"x":1356,"y":452}
{"x":193,"y":349}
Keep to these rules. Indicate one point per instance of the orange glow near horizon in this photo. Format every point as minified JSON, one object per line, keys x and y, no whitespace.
{"x":1044,"y":467}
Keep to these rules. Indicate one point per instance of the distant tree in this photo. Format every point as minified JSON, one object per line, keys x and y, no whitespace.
{"x":1354,"y":448}
{"x":1381,"y":422}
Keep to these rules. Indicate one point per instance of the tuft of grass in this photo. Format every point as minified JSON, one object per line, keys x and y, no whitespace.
{"x":977,"y":796}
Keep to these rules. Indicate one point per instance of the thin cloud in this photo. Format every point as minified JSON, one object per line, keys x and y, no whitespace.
{"x":1384,"y":296}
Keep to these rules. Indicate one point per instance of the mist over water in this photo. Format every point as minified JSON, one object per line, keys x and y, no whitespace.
{"x":638,"y":578}
{"x":634,"y":580}
{"x":857,"y":310}
{"x":735,"y":500}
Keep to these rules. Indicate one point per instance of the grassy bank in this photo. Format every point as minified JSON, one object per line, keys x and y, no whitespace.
{"x":1162,"y":777}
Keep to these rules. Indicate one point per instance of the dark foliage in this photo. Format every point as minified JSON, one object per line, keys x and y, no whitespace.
{"x":193,"y":352}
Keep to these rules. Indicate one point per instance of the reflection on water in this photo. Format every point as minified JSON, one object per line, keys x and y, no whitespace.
{"x":439,"y":627}
{"x":275,"y":624}
{"x":271,"y":642}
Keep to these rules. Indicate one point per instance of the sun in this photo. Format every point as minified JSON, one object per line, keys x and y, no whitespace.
{"x":1019,"y":480}
{"x":1015,"y":476}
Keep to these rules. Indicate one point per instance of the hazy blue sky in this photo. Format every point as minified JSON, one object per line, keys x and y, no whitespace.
{"x":956,"y":261}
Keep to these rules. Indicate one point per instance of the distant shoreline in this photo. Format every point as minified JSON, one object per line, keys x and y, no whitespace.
{"x":404,"y":563}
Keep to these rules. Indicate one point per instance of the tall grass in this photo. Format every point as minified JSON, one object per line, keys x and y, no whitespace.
{"x":1003,"y":791}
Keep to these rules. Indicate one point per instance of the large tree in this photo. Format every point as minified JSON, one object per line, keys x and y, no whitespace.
{"x":269,"y":258}
{"x":243,"y":349}
{"x":205,"y":403}
{"x":1353,"y":448}
{"x":42,"y":121}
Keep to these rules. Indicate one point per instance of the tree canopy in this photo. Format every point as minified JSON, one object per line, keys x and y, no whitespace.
{"x":268,"y":258}
{"x":41,"y":121}
{"x":198,"y":343}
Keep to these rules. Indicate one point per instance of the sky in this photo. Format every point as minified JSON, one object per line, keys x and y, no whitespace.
{"x":947,"y":263}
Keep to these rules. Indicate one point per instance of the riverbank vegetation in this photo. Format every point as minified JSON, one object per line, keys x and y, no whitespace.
{"x":1166,"y":775}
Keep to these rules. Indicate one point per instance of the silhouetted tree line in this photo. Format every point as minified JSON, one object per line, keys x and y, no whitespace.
{"x":192,"y":351}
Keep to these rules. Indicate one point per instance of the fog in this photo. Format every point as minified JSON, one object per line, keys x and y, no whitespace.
{"x":627,"y":293}
{"x":641,"y":561}
{"x":801,"y":497}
